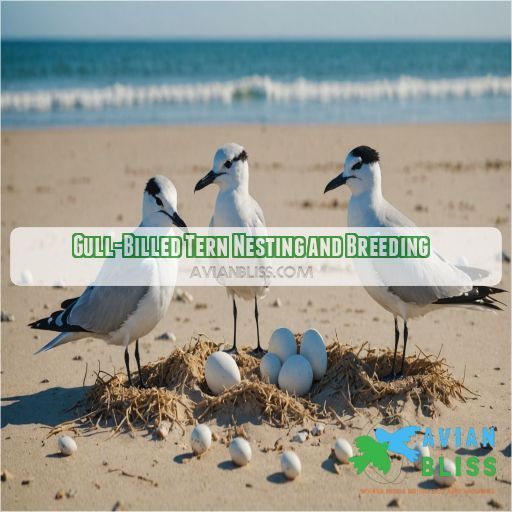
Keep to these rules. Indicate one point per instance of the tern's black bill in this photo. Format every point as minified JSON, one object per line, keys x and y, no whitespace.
{"x":335,"y":183}
{"x":207,"y":180}
{"x":178,"y":221}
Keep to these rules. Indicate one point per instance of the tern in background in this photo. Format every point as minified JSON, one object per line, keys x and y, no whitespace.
{"x":235,"y":207}
{"x":121,"y":314}
{"x":367,"y":208}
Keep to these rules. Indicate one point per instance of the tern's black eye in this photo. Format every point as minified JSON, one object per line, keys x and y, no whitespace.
{"x":159,"y":201}
{"x":357,"y":166}
{"x":228,"y":163}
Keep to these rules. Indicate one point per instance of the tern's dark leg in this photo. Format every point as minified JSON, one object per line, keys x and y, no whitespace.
{"x":392,"y":374}
{"x":235,"y":314}
{"x":406,"y":335}
{"x":258,"y":350}
{"x":397,"y":338}
{"x":142,"y":384}
{"x":127,"y":363}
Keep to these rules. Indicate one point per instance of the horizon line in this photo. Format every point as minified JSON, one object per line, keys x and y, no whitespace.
{"x":265,"y":39}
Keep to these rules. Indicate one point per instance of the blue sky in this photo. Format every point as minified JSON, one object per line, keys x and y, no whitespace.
{"x":239,"y":20}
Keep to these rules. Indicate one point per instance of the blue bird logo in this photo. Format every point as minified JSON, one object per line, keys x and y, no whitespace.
{"x":397,"y":441}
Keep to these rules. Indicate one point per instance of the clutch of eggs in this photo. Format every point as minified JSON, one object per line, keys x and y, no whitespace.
{"x":294,"y":372}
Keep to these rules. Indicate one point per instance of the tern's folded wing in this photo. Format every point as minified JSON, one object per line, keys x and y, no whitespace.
{"x":104,"y":309}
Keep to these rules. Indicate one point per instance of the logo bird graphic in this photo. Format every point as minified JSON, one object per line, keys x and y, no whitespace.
{"x":397,"y":441}
{"x":371,"y":452}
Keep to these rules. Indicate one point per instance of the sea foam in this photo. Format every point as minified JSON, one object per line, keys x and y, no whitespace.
{"x":255,"y":88}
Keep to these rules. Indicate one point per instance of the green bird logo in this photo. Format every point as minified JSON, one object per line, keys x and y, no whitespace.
{"x":371,"y":452}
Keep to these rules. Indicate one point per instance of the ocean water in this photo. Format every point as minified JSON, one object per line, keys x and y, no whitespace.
{"x":118,"y":83}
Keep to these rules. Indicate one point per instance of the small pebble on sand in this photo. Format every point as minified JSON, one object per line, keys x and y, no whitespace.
{"x":7,"y":317}
{"x":166,"y":336}
{"x":6,"y":475}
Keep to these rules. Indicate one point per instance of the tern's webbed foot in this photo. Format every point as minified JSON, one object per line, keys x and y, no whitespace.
{"x":258,"y":351}
{"x":232,"y":350}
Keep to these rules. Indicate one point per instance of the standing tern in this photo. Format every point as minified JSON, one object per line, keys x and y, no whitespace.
{"x":235,"y":207}
{"x":121,"y":314}
{"x":368,"y":208}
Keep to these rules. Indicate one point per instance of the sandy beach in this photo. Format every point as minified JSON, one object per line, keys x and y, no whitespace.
{"x":439,"y":175}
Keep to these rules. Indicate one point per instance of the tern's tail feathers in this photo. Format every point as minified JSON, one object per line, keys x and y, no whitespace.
{"x":478,"y":297}
{"x":62,"y":338}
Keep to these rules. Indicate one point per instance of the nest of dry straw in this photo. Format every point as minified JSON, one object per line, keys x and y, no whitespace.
{"x":177,"y":391}
{"x":356,"y":373}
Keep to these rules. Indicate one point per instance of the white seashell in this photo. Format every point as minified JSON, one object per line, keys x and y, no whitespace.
{"x":282,"y":343}
{"x":221,"y":372}
{"x":296,"y":375}
{"x":312,"y":347}
{"x":201,"y":439}
{"x":270,"y":367}
{"x":343,"y":450}
{"x":318,"y":430}
{"x":449,"y":476}
{"x":300,"y":437}
{"x":423,"y":452}
{"x":240,"y":451}
{"x":163,"y":429}
{"x":67,"y":445}
{"x":290,"y":465}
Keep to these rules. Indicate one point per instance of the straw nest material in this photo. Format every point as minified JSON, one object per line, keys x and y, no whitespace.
{"x":356,"y":373}
{"x":177,"y":390}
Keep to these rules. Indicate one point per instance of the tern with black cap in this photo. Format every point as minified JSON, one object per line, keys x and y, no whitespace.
{"x":121,"y":314}
{"x":368,"y":208}
{"x":235,"y":207}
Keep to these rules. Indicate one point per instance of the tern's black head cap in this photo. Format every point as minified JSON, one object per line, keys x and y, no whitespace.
{"x":367,"y":154}
{"x":152,"y":187}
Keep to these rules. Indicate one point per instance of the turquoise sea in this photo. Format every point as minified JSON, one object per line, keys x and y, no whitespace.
{"x":73,"y":83}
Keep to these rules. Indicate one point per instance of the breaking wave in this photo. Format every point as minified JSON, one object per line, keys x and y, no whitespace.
{"x":254,"y":88}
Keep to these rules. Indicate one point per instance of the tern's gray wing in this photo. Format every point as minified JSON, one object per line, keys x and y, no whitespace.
{"x":104,"y":309}
{"x":391,"y":217}
{"x":259,"y":212}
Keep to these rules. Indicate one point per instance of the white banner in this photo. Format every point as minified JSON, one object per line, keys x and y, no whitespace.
{"x":320,"y":256}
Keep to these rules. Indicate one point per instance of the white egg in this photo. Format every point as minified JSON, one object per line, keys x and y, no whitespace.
{"x":270,"y":367}
{"x":312,"y":347}
{"x":221,"y":372}
{"x":240,"y":451}
{"x":343,"y":450}
{"x":423,"y":452}
{"x":296,"y":375}
{"x":201,"y":439}
{"x":282,"y":343}
{"x":449,"y":476}
{"x":67,"y":445}
{"x":290,"y":465}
